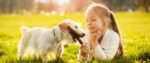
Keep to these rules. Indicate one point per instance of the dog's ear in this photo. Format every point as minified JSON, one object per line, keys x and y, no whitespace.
{"x":63,"y":26}
{"x":72,"y":32}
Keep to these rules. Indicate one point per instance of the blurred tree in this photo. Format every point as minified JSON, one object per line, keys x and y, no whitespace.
{"x":10,"y":6}
{"x":23,"y":6}
{"x":27,"y":4}
{"x":118,"y":5}
{"x":5,"y":6}
{"x":143,"y":4}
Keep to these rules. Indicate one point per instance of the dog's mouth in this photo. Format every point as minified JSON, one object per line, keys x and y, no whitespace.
{"x":75,"y":36}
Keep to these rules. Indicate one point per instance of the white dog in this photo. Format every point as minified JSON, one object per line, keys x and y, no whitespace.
{"x":40,"y":41}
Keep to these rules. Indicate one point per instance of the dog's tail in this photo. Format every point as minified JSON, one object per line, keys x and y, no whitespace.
{"x":25,"y":33}
{"x":24,"y":29}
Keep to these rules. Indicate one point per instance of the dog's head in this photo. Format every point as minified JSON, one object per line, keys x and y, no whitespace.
{"x":71,"y":30}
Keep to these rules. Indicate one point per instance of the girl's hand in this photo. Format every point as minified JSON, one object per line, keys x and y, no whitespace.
{"x":93,"y":39}
{"x":94,"y":36}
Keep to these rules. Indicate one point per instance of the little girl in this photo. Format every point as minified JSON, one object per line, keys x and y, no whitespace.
{"x":103,"y":37}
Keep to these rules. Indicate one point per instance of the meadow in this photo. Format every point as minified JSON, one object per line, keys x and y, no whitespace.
{"x":135,"y":30}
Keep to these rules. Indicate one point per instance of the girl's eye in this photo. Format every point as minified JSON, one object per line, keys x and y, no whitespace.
{"x":93,"y":20}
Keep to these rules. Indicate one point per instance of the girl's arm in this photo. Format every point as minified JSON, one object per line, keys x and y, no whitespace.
{"x":108,"y":54}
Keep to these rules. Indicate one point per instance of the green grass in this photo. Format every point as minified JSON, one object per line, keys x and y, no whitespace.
{"x":135,"y":29}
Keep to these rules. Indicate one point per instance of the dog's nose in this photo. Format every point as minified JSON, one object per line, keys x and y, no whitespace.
{"x":83,"y":35}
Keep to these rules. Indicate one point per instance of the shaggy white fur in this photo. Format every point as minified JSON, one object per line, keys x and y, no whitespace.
{"x":40,"y":41}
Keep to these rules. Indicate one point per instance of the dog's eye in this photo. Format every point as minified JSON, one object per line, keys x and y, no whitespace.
{"x":76,"y":27}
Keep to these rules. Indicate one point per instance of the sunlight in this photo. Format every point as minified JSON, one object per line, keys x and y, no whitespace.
{"x":62,"y":2}
{"x":41,"y":1}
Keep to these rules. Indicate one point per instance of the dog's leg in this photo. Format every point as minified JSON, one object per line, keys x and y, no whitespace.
{"x":45,"y":56}
{"x":33,"y":54}
{"x":22,"y":47}
{"x":23,"y":44}
{"x":20,"y":53}
{"x":59,"y":51}
{"x":37,"y":55}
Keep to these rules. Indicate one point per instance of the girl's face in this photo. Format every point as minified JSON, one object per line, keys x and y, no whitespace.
{"x":93,"y":22}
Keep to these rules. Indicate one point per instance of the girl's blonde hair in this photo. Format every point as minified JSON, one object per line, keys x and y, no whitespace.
{"x":108,"y":19}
